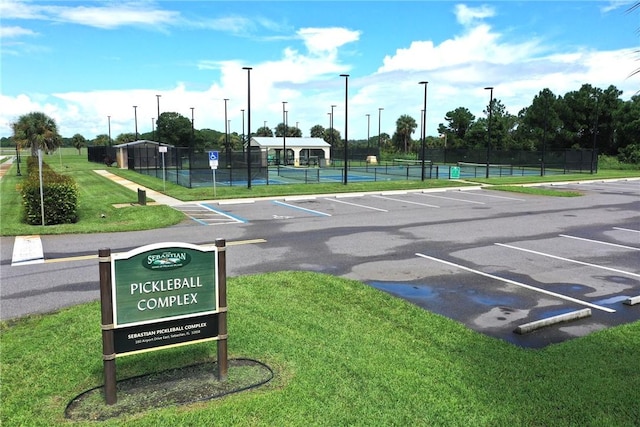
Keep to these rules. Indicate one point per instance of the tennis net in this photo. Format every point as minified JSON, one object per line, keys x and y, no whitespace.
{"x":480,"y":169}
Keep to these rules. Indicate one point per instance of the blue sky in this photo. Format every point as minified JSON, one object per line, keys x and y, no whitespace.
{"x":82,"y":61}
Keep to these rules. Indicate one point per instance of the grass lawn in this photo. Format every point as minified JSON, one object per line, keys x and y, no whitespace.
{"x":97,"y":200}
{"x":343,"y":353}
{"x":99,"y":196}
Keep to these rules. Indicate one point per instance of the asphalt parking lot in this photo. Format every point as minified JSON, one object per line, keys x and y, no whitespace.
{"x":492,"y":260}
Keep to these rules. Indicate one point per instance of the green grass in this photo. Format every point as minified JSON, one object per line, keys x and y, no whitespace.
{"x":343,"y":354}
{"x":99,"y":196}
{"x":536,"y":191}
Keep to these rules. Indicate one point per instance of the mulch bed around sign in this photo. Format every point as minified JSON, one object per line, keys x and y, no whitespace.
{"x":173,"y":387}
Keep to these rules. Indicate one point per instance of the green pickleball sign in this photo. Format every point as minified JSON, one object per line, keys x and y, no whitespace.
{"x":163,"y":281}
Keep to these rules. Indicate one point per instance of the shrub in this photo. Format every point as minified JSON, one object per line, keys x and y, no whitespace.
{"x":630,"y":154}
{"x":60,"y":195}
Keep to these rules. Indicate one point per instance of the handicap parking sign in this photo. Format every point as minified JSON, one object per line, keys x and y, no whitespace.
{"x":213,"y":155}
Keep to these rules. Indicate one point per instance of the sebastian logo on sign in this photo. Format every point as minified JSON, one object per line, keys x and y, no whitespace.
{"x":166,"y":260}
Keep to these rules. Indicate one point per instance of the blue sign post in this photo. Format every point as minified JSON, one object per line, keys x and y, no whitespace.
{"x":213,"y":162}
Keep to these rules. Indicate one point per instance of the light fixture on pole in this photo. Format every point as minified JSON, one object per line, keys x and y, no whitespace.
{"x":284,"y":134}
{"x":346,"y":121}
{"x":248,"y":125}
{"x":489,"y":88}
{"x":135,"y":118}
{"x":424,"y":123}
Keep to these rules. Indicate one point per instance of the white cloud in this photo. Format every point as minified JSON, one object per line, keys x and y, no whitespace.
{"x":323,"y":40}
{"x":11,"y":32}
{"x":457,"y":70}
{"x":114,"y":16}
{"x":466,"y":15}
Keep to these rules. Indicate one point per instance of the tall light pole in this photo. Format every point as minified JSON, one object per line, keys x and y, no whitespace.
{"x":193,"y":135}
{"x":158,"y":116}
{"x":109,"y":121}
{"x":248,"y":125}
{"x":346,"y":121}
{"x":594,"y":168}
{"x":192,"y":142}
{"x":242,"y":129}
{"x":424,"y":123}
{"x":226,"y":133}
{"x":18,"y":158}
{"x":368,"y":127}
{"x":379,"y":117}
{"x":284,"y":134}
{"x":490,"y":88}
{"x":331,"y":125}
{"x":135,"y":118}
{"x":544,"y":134}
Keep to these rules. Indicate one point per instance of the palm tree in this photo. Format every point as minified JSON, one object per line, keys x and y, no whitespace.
{"x":38,"y":131}
{"x":405,"y":126}
{"x":78,"y":142}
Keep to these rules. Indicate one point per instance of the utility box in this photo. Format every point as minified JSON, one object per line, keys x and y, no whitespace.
{"x":142,"y":197}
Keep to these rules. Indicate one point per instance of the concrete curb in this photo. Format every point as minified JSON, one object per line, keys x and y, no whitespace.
{"x":532,"y":326}
{"x":632,"y":300}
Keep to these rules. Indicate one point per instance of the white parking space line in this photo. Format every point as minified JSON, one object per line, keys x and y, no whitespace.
{"x":27,"y":250}
{"x":236,"y":202}
{"x":406,"y":201}
{"x":225,"y":214}
{"x":600,"y":242}
{"x":569,"y":260}
{"x":607,"y":185}
{"x":626,"y":229}
{"x":522,"y":285}
{"x":358,"y":205}
{"x":483,"y":194}
{"x":452,"y":198}
{"x":311,"y":211}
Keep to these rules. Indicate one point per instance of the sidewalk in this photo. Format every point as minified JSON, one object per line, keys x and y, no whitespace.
{"x":5,"y":166}
{"x":151,"y":194}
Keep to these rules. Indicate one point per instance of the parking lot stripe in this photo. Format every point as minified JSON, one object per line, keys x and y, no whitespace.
{"x":522,"y":285}
{"x":452,"y":198}
{"x":483,"y":194}
{"x":570,"y":260}
{"x":27,"y":250}
{"x":311,"y":211}
{"x":406,"y":201}
{"x":601,"y":242}
{"x":360,"y":206}
{"x":223,"y":213}
{"x":86,"y":257}
{"x":626,"y":229}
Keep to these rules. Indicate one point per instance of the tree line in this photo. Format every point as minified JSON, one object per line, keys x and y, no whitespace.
{"x":582,"y":119}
